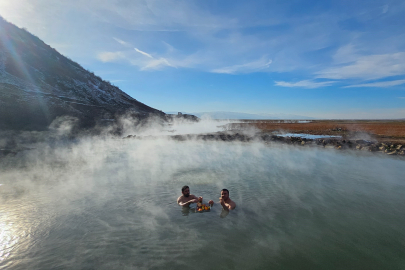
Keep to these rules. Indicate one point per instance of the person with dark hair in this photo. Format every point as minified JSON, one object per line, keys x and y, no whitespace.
{"x":225,"y":201}
{"x":186,"y":199}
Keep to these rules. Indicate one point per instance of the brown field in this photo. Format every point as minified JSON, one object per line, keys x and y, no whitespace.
{"x":379,"y":130}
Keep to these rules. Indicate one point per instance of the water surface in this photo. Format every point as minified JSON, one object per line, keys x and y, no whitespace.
{"x":110,"y":204}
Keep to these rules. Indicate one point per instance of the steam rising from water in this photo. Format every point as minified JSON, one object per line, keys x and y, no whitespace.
{"x":110,"y":204}
{"x":181,"y":127}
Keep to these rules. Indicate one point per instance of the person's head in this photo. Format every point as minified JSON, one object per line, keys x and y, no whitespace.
{"x":225,"y":194}
{"x":186,"y":191}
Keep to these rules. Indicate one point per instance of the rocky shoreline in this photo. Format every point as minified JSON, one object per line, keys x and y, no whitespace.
{"x":384,"y":147}
{"x":388,"y":148}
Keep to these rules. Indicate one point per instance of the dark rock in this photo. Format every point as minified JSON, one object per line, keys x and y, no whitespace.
{"x":181,"y":116}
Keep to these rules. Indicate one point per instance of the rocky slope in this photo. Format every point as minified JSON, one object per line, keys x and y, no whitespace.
{"x":38,"y":85}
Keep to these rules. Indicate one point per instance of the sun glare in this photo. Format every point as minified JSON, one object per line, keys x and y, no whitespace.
{"x":8,"y":238}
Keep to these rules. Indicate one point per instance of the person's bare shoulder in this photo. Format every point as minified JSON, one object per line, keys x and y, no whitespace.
{"x":233,"y":205}
{"x":179,"y":199}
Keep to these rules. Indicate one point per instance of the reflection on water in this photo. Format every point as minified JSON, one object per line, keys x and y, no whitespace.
{"x":7,"y":239}
{"x":17,"y":230}
{"x":112,"y":205}
{"x":224,"y":213}
{"x":186,"y":210}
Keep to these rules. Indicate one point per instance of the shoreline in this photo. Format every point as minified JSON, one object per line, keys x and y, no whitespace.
{"x":383,"y":131}
{"x":378,"y":136}
{"x":385,"y":147}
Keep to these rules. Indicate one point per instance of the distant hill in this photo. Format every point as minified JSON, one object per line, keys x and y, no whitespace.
{"x":247,"y":116}
{"x":38,"y":84}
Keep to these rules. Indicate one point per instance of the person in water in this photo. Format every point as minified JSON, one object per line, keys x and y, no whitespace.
{"x":186,"y":199}
{"x":226,"y":202}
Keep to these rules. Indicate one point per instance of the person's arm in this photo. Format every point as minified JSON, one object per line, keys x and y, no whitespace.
{"x":227,"y":206}
{"x":224,"y":205}
{"x":193,"y":199}
{"x":187,"y":203}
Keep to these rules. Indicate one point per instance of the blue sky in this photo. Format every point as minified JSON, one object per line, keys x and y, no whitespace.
{"x":322,"y":59}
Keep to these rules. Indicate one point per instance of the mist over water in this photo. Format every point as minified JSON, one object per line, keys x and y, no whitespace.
{"x":111,"y":204}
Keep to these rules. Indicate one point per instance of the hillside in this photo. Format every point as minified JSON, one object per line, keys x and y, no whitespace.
{"x":38,"y":84}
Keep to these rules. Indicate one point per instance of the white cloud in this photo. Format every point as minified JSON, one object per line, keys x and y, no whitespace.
{"x":245,"y":68}
{"x":144,"y":53}
{"x":156,"y":64}
{"x":304,"y":84}
{"x":144,"y":63}
{"x":170,"y":48}
{"x":110,"y":56}
{"x":122,"y":42}
{"x":293,"y":43}
{"x":369,"y":67}
{"x":378,"y":84}
{"x":151,"y":64}
{"x":345,"y":54}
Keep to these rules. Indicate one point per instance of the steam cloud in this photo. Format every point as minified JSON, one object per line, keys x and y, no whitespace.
{"x":100,"y":188}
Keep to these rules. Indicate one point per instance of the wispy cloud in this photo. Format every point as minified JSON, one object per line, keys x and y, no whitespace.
{"x":153,"y":63}
{"x":110,"y":56}
{"x":345,"y":54}
{"x":114,"y":81}
{"x":304,"y":84}
{"x":143,"y":60}
{"x":122,"y":42}
{"x":157,"y":64}
{"x":369,"y":67}
{"x":378,"y":84}
{"x":144,"y":53}
{"x":245,"y":68}
{"x":170,"y":48}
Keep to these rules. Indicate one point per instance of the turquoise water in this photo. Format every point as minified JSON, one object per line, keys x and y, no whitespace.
{"x":112,"y":205}
{"x":307,"y":136}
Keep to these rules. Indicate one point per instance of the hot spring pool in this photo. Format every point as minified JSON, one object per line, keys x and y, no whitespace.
{"x":111,"y":204}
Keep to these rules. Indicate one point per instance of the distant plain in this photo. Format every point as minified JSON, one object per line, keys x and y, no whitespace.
{"x":378,"y":130}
